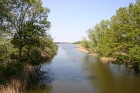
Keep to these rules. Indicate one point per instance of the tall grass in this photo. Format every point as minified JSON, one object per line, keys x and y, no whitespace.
{"x":15,"y":86}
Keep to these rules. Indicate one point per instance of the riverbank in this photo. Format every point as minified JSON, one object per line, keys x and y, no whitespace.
{"x":102,"y":59}
{"x":82,"y":49}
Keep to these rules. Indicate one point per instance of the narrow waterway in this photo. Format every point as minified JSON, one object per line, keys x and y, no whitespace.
{"x":72,"y":71}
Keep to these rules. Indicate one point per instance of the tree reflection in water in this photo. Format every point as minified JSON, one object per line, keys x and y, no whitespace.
{"x":110,"y":78}
{"x":39,"y":80}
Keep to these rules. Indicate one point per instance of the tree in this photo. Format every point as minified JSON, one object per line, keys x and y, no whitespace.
{"x":23,"y":14}
{"x":84,"y":43}
{"x":119,"y":37}
{"x":5,"y":8}
{"x":96,"y":35}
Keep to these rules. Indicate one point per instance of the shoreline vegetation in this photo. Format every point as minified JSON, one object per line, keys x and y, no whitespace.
{"x":117,"y":37}
{"x":80,"y":48}
{"x":102,"y":59}
{"x":25,"y":43}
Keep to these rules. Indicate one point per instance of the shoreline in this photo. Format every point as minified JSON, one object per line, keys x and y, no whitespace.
{"x":102,"y":59}
{"x":82,"y":49}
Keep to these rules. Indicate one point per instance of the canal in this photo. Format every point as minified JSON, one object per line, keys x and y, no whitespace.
{"x":72,"y":71}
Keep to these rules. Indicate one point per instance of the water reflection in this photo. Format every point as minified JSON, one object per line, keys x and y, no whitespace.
{"x":110,"y":78}
{"x":39,"y":80}
{"x":72,"y":71}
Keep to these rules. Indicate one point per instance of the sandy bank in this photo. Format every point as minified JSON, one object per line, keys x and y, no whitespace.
{"x":82,"y":49}
{"x":102,"y":59}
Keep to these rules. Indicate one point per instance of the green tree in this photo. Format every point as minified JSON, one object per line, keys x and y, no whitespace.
{"x":119,"y":37}
{"x":23,"y":14}
{"x":98,"y":40}
{"x":84,"y":43}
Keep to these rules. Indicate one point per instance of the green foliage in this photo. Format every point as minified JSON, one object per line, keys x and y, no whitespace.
{"x":10,"y":69}
{"x":119,"y":37}
{"x":24,"y":37}
{"x":84,"y":43}
{"x":87,"y":44}
{"x":48,"y":46}
{"x":78,"y":42}
{"x":6,"y":49}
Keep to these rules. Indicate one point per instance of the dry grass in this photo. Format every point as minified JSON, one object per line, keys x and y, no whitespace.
{"x":94,"y":54}
{"x":13,"y":87}
{"x":16,"y":85}
{"x":107,"y":59}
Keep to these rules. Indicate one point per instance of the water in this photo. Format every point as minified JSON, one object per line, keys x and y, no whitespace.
{"x":72,"y":71}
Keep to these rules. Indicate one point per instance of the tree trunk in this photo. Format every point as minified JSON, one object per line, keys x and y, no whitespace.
{"x":28,"y":53}
{"x":20,"y":53}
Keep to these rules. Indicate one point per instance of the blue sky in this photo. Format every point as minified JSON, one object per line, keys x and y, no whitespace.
{"x":70,"y":19}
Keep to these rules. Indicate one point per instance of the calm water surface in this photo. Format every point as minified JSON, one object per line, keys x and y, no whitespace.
{"x":72,"y":71}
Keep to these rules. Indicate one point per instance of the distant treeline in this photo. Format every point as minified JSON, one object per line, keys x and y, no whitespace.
{"x":118,"y":37}
{"x":78,"y":42}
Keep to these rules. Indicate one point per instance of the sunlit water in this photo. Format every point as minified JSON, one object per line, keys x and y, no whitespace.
{"x":72,"y":71}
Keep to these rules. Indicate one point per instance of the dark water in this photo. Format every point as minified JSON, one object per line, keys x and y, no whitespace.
{"x":72,"y":71}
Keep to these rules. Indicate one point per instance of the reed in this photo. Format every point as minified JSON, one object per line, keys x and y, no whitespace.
{"x":15,"y":86}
